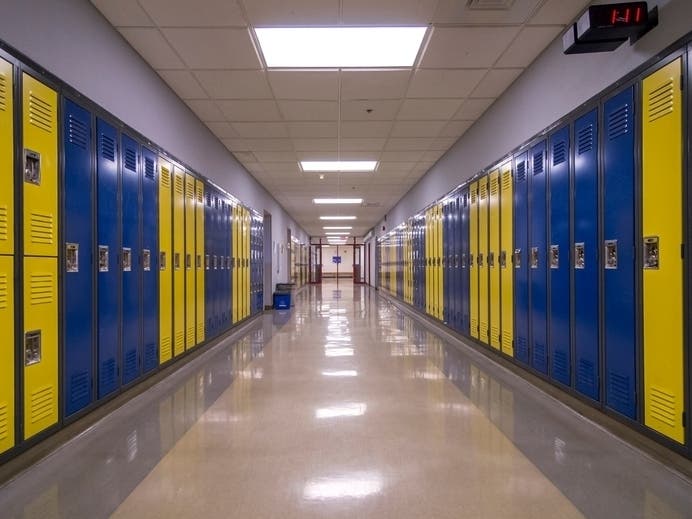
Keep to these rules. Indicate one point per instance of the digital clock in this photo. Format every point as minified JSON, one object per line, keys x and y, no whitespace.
{"x":611,"y":22}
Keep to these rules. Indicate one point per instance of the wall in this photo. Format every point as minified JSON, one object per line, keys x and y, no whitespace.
{"x":346,"y":254}
{"x":70,"y":37}
{"x":551,"y":87}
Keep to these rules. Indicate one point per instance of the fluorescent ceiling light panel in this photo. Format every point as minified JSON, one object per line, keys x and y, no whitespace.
{"x":337,"y":200}
{"x":336,"y":47}
{"x":339,"y":166}
{"x":337,"y":228}
{"x":337,"y":233}
{"x":337,"y":217}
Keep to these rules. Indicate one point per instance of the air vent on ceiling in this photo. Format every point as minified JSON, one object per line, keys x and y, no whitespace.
{"x":371,"y":204}
{"x":499,"y":5}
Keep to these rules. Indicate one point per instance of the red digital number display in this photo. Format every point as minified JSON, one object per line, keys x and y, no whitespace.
{"x":626,"y":15}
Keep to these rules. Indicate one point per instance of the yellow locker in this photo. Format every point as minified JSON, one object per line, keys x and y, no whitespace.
{"x":165,"y":277}
{"x":473,"y":260}
{"x":483,"y":322}
{"x":235,"y":263}
{"x":190,"y":274}
{"x":199,"y":259}
{"x":40,"y":168}
{"x":428,"y":261}
{"x":493,"y":257}
{"x":437,"y":259}
{"x":440,"y":268}
{"x":6,"y":160}
{"x":505,"y":260}
{"x":178,"y":261}
{"x":7,"y":364}
{"x":662,"y":218}
{"x":40,"y":344}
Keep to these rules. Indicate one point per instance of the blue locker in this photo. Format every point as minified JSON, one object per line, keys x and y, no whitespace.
{"x":150,"y":260}
{"x":453,"y":236}
{"x":559,"y":257}
{"x":78,"y":313}
{"x":619,"y":278}
{"x":445,"y":262}
{"x":521,"y":259}
{"x":218,"y":319}
{"x":538,"y":261}
{"x":586,"y":269}
{"x":108,"y":273}
{"x":224,"y":295}
{"x":130,"y":260}
{"x":464,"y":281}
{"x":209,"y":281}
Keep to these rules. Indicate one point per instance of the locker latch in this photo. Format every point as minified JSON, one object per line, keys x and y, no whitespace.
{"x":534,"y":257}
{"x":503,"y":259}
{"x":611,"y":254}
{"x":651,"y":253}
{"x":215,"y":262}
{"x":456,"y":261}
{"x":480,"y":259}
{"x":188,"y":261}
{"x":176,"y":261}
{"x":463,"y":260}
{"x":72,"y":257}
{"x":516,"y":257}
{"x":207,"y":262}
{"x":579,"y":256}
{"x":554,"y":256}
{"x":103,"y":258}
{"x":32,"y":167}
{"x":32,"y":347}
{"x":491,"y":259}
{"x":127,"y":259}
{"x":146,"y":260}
{"x":198,"y":261}
{"x":162,"y":260}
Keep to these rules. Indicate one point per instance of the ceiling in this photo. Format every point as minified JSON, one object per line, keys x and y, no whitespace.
{"x":404,"y":118}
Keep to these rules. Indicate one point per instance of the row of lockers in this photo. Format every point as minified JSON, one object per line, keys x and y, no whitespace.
{"x":114,"y":259}
{"x":568,"y":255}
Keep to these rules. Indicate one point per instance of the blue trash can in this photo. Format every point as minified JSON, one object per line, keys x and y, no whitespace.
{"x":282,"y":300}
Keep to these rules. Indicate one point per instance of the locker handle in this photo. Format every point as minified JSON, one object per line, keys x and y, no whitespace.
{"x":579,"y":256}
{"x":176,"y":261}
{"x":127,"y":259}
{"x":491,"y":259}
{"x":32,"y":347}
{"x":71,"y":257}
{"x":146,"y":260}
{"x":503,"y":259}
{"x":470,"y":260}
{"x":651,"y":253}
{"x":215,"y":262}
{"x":463,"y":260}
{"x":554,"y":257}
{"x":103,"y":258}
{"x":611,"y":254}
{"x":480,"y":259}
{"x":32,"y":167}
{"x":534,"y":257}
{"x":188,"y":261}
{"x":198,"y":261}
{"x":162,"y":260}
{"x":207,"y":262}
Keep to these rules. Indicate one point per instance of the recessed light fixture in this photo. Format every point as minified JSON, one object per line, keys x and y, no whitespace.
{"x":336,"y":47}
{"x":337,"y":200}
{"x":337,"y":217}
{"x":337,"y":228}
{"x":339,"y":166}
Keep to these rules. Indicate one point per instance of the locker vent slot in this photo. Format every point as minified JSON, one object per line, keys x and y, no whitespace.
{"x":618,"y":122}
{"x":3,"y":92}
{"x":79,"y":387}
{"x":191,"y":335}
{"x":130,"y":159}
{"x":40,"y":113}
{"x":4,"y":292}
{"x":179,"y":185}
{"x":494,"y":187}
{"x":131,"y":361}
{"x":200,"y":329}
{"x":585,"y":140}
{"x":78,"y":132}
{"x":150,"y":357}
{"x":180,"y":341}
{"x":506,"y":180}
{"x":559,"y":153}
{"x":662,"y":406}
{"x":41,"y":289}
{"x":149,"y":168}
{"x":41,"y":404}
{"x":108,"y":373}
{"x":166,"y":347}
{"x":661,"y":101}
{"x":521,"y":171}
{"x":538,"y":163}
{"x":166,"y":177}
{"x":560,"y":362}
{"x":522,"y":348}
{"x":200,"y":196}
{"x":107,"y":148}
{"x":208,"y":197}
{"x":4,"y":425}
{"x":538,"y":352}
{"x":619,"y":387}
{"x":4,"y":223}
{"x":41,"y":228}
{"x":585,"y":373}
{"x":482,"y":191}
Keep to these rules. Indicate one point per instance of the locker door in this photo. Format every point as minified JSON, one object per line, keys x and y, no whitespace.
{"x":106,"y":264}
{"x":473,"y":261}
{"x":440,"y":268}
{"x":78,"y":284}
{"x":190,"y":274}
{"x":246,"y":279}
{"x":7,"y":356}
{"x":165,"y":261}
{"x":209,"y":282}
{"x":619,"y":276}
{"x":661,"y":251}
{"x":235,"y":264}
{"x":586,"y":255}
{"x":494,"y":258}
{"x":199,"y":259}
{"x":130,"y":260}
{"x":521,"y":258}
{"x":428,"y":262}
{"x":464,"y":285}
{"x":506,"y":247}
{"x":150,"y":261}
{"x":450,"y":238}
{"x":178,"y":261}
{"x":559,"y":257}
{"x":6,"y":159}
{"x":483,"y":278}
{"x":538,"y":277}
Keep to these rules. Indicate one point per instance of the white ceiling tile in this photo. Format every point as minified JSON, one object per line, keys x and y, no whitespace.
{"x":223,"y":130}
{"x":359,"y":155}
{"x":200,"y":13}
{"x":455,"y":11}
{"x":261,"y":130}
{"x":374,"y":84}
{"x":275,"y":156}
{"x":124,"y":13}
{"x":311,"y":85}
{"x":380,"y":110}
{"x":205,"y":110}
{"x":236,"y":145}
{"x":280,"y":168}
{"x":398,"y":144}
{"x":417,"y":128}
{"x":371,"y":144}
{"x":153,"y":47}
{"x":444,"y":83}
{"x":243,"y":156}
{"x":387,"y":12}
{"x":428,"y":109}
{"x":309,"y":110}
{"x":433,"y":155}
{"x":528,"y":45}
{"x":455,"y":129}
{"x":232,"y":48}
{"x":312,"y":129}
{"x":315,"y":144}
{"x":496,"y":82}
{"x":443,"y":143}
{"x":558,"y":12}
{"x":256,"y":168}
{"x":269,"y":144}
{"x":412,"y":156}
{"x":395,"y":167}
{"x":250,"y":110}
{"x":264,"y":13}
{"x":467,"y":47}
{"x":183,"y":83}
{"x":361,"y":129}
{"x":473,"y":108}
{"x":316,"y":155}
{"x":235,"y":84}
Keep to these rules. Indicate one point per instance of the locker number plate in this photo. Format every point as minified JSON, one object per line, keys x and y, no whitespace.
{"x":103,"y":258}
{"x":579,"y":256}
{"x":32,"y":167}
{"x":71,"y":257}
{"x":651,"y":253}
{"x":611,"y":254}
{"x":32,"y":347}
